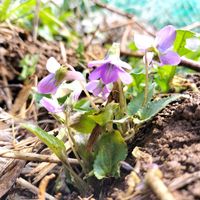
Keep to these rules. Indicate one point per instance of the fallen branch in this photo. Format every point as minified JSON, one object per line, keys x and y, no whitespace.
{"x":184,"y":180}
{"x":124,"y":24}
{"x":121,"y":13}
{"x":34,"y":157}
{"x":191,"y":26}
{"x":190,"y":64}
{"x":185,"y":62}
{"x":32,"y":188}
{"x":112,"y":9}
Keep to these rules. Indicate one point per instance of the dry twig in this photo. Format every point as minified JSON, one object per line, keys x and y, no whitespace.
{"x":124,"y":24}
{"x":185,"y":62}
{"x":184,"y":180}
{"x":33,"y":157}
{"x":41,"y":171}
{"x":121,"y":13}
{"x":32,"y":188}
{"x":63,"y":52}
{"x":192,"y":26}
{"x":125,"y":36}
{"x":92,"y":38}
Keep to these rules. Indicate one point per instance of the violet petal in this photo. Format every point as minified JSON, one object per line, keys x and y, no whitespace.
{"x":120,"y":63}
{"x":74,"y":75}
{"x":97,"y":63}
{"x":97,"y":90}
{"x":124,"y":76}
{"x":170,"y":58}
{"x":52,"y":65}
{"x":51,"y":105}
{"x":92,"y":85}
{"x":106,"y":91}
{"x":47,"y":85}
{"x":76,"y":94}
{"x":165,"y":38}
{"x":109,"y":73}
{"x":143,"y":42}
{"x":96,"y":73}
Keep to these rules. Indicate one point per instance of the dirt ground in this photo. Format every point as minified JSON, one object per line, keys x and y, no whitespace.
{"x":173,"y":143}
{"x":171,"y":140}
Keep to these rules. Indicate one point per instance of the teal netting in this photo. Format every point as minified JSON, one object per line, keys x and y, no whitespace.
{"x":160,"y":12}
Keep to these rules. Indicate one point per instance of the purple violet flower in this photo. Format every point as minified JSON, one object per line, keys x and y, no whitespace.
{"x":161,"y":45}
{"x":48,"y":85}
{"x":99,"y":89}
{"x":51,"y":105}
{"x":110,"y":70}
{"x":58,"y":74}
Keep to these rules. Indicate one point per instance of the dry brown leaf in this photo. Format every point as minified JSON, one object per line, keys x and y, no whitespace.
{"x":11,"y":170}
{"x":20,"y":101}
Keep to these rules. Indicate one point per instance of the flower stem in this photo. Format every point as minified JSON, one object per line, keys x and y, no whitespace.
{"x":146,"y":80}
{"x":89,"y":97}
{"x":73,"y":142}
{"x":80,"y":184}
{"x":122,"y":100}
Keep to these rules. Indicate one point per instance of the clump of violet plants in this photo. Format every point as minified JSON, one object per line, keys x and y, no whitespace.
{"x":98,"y":125}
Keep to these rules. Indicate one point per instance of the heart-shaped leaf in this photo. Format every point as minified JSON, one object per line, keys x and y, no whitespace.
{"x":111,"y":150}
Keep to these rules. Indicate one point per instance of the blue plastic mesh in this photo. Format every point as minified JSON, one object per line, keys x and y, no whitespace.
{"x":160,"y":13}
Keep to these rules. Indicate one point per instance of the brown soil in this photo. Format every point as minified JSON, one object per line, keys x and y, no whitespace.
{"x":175,"y":147}
{"x":172,"y":141}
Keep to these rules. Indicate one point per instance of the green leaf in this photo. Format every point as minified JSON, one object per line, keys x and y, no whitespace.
{"x":132,"y":46}
{"x":180,"y":41}
{"x":163,"y":77}
{"x":80,"y":50}
{"x":83,"y":123}
{"x":138,"y":80}
{"x":54,"y":24}
{"x":61,"y":100}
{"x":111,"y":150}
{"x":23,"y":9}
{"x":28,"y":64}
{"x":138,"y":83}
{"x":38,"y":96}
{"x":56,"y":145}
{"x":83,"y":105}
{"x":45,"y":32}
{"x":4,"y":9}
{"x":154,"y":107}
{"x":105,"y":115}
{"x":136,"y":103}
